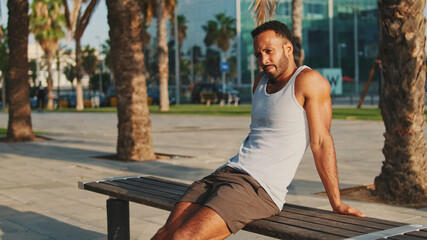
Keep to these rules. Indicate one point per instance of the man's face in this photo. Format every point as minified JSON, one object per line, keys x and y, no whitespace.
{"x":272,"y":53}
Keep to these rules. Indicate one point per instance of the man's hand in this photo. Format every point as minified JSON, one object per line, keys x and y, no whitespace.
{"x":348,"y":210}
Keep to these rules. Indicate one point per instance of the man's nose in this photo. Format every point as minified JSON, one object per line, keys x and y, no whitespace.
{"x":265,"y":60}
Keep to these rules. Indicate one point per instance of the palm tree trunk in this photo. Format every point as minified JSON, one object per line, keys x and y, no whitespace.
{"x":19,"y":125}
{"x":297,"y":32}
{"x":78,"y":69}
{"x":163,"y":57}
{"x":49,"y":83}
{"x":134,"y":138}
{"x":403,"y":176}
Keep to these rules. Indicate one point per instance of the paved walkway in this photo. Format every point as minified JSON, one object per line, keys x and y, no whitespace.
{"x":39,"y":198}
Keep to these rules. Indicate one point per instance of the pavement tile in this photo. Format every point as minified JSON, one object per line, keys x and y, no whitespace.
{"x":39,"y":198}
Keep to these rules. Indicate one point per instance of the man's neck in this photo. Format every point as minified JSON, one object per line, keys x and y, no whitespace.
{"x":285,"y":76}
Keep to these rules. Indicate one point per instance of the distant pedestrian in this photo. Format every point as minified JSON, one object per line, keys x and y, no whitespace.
{"x":41,"y":95}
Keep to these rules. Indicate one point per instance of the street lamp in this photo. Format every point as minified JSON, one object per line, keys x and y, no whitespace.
{"x":356,"y":49}
{"x":176,"y":58}
{"x":100,"y":65}
{"x":340,"y":45}
{"x":331,"y":32}
{"x":239,"y":43}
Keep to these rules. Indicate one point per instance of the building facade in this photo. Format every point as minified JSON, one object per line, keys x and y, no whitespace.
{"x":346,"y":37}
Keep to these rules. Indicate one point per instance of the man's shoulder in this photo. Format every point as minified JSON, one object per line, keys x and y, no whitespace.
{"x":311,"y":76}
{"x":311,"y":80}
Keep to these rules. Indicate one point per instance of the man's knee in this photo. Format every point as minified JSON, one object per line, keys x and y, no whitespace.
{"x":182,"y":234}
{"x":162,"y":233}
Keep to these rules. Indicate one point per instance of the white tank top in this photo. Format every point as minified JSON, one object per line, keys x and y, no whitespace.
{"x":278,"y":138}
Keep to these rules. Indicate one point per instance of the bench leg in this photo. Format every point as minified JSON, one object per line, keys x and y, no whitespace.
{"x":118,"y":219}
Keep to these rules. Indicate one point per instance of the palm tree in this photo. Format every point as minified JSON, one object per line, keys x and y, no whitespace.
{"x":164,"y":9}
{"x":219,"y":32}
{"x":182,"y":34}
{"x":46,"y":22}
{"x":403,"y":177}
{"x":297,"y":32}
{"x":182,"y":30}
{"x":19,"y":126}
{"x":89,"y":60}
{"x":226,"y":32}
{"x":134,"y":138}
{"x":263,"y":10}
{"x":106,"y":50}
{"x":76,"y":24}
{"x":70,"y":73}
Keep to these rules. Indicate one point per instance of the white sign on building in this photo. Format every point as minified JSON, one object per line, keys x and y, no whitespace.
{"x":334,"y":77}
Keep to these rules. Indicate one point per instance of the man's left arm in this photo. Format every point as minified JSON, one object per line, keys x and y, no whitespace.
{"x":317,"y":103}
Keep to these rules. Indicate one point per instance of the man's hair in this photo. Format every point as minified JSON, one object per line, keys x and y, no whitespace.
{"x":278,"y":27}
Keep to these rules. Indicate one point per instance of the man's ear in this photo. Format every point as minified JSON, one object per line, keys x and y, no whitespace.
{"x":288,"y":48}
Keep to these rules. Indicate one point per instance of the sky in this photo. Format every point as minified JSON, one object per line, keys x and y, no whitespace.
{"x":97,"y":31}
{"x":95,"y":34}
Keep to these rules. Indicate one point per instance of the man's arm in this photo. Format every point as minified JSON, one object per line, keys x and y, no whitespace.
{"x":315,"y":90}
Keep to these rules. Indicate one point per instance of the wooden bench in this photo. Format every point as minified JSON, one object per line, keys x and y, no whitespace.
{"x":294,"y":222}
{"x":208,"y":97}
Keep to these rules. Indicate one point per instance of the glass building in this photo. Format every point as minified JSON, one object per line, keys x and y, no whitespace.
{"x":347,"y":40}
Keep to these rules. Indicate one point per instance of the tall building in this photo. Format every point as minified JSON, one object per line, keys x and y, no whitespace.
{"x":348,"y":39}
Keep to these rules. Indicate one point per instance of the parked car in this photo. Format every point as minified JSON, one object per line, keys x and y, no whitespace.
{"x":212,"y":87}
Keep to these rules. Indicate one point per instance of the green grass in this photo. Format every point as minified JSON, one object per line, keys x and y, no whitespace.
{"x":349,"y":113}
{"x":357,"y":114}
{"x":199,"y":109}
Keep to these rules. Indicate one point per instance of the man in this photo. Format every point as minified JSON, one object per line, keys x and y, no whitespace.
{"x":291,"y":109}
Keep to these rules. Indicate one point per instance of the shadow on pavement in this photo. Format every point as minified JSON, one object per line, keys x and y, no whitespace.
{"x":84,"y":156}
{"x":27,"y":225}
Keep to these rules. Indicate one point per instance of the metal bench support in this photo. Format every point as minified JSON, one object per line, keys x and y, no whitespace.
{"x":118,"y":219}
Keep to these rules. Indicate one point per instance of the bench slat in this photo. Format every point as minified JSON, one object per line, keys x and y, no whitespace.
{"x":405,"y":237}
{"x":161,"y":182}
{"x":281,"y":231}
{"x":130,"y":195}
{"x":153,"y":193}
{"x":328,"y":222}
{"x":313,"y":226}
{"x":417,"y":234}
{"x":142,"y":186}
{"x":310,"y":212}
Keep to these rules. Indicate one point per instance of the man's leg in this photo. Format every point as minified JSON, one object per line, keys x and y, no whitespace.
{"x":178,"y":216}
{"x":193,"y":221}
{"x":204,"y":224}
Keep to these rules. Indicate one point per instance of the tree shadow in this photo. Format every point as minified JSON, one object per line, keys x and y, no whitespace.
{"x":30,"y":225}
{"x":91,"y":157}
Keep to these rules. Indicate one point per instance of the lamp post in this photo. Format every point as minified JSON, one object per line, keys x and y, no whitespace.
{"x":238,"y":41}
{"x":176,"y":57}
{"x":356,"y":49}
{"x":331,"y":32}
{"x":100,"y":65}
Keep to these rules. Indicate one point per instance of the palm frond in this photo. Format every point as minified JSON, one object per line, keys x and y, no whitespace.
{"x":262,"y":10}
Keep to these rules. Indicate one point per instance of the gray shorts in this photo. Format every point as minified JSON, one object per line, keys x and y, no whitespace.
{"x":234,"y":195}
